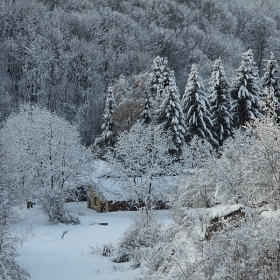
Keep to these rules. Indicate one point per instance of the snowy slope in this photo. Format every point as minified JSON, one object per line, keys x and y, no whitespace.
{"x":47,"y":255}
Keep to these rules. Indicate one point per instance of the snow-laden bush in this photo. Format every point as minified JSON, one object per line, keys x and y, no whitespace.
{"x":160,"y":256}
{"x":9,"y":268}
{"x":105,"y":250}
{"x":6,"y":199}
{"x":250,"y":250}
{"x":246,"y":171}
{"x":182,"y":242}
{"x":138,"y":240}
{"x":246,"y":248}
{"x":52,"y":203}
{"x":220,"y":179}
{"x":198,"y":151}
{"x":195,"y":192}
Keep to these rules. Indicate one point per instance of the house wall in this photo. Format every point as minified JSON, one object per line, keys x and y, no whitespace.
{"x":96,"y":203}
{"x":118,"y":206}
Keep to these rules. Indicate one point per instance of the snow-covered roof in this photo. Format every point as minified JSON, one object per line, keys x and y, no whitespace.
{"x":108,"y":188}
{"x":113,"y":189}
{"x":223,"y":210}
{"x":104,"y":186}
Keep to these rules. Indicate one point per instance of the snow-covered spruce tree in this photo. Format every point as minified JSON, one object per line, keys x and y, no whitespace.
{"x":196,"y":107}
{"x":146,"y":115}
{"x":44,"y":160}
{"x":245,"y":88}
{"x":108,"y":137}
{"x":171,"y":116}
{"x":157,"y":82}
{"x":271,"y":89}
{"x":141,"y":163}
{"x":159,"y":77}
{"x":220,"y":102}
{"x":269,"y":78}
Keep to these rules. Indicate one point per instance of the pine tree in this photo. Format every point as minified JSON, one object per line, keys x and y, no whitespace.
{"x":159,"y":76}
{"x":271,"y":89}
{"x":171,"y":116}
{"x":220,"y":102}
{"x":146,"y":115}
{"x":158,"y":81}
{"x":197,"y":109}
{"x":108,"y":136}
{"x":245,"y":91}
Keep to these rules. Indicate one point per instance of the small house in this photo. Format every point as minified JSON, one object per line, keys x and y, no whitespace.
{"x":104,"y":197}
{"x":106,"y":194}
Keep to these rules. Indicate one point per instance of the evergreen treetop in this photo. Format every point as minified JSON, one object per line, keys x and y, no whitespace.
{"x":171,"y":115}
{"x":271,"y":89}
{"x":107,"y":137}
{"x":197,"y":109}
{"x":146,"y":115}
{"x":269,"y":80}
{"x":245,"y":91}
{"x":159,"y":76}
{"x":158,"y":81}
{"x":220,"y":102}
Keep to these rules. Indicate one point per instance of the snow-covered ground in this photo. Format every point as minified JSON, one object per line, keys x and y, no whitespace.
{"x":70,"y":252}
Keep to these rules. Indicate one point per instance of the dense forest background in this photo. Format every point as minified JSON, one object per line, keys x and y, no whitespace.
{"x":63,"y":54}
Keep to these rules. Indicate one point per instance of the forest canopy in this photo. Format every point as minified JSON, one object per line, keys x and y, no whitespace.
{"x":64,"y":54}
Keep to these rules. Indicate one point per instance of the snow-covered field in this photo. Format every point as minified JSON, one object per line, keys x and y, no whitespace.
{"x":59,"y":252}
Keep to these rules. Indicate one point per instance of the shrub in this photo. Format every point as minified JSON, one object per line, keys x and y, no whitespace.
{"x":139,"y":239}
{"x":52,"y":204}
{"x":105,"y":250}
{"x":9,"y":268}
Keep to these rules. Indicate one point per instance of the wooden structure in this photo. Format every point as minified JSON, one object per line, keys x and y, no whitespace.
{"x":104,"y":203}
{"x":106,"y":194}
